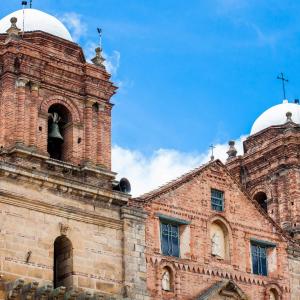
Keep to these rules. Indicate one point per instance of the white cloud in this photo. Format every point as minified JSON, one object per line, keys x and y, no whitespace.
{"x":112,"y":62}
{"x":147,"y":173}
{"x":74,"y":23}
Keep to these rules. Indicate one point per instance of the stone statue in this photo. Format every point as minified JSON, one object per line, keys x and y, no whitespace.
{"x":216,"y":245}
{"x":165,"y":282}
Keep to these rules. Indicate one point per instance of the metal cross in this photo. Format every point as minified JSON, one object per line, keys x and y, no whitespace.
{"x":284,"y":80}
{"x":212,"y":147}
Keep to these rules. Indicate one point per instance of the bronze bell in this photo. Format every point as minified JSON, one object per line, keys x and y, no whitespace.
{"x":54,"y":132}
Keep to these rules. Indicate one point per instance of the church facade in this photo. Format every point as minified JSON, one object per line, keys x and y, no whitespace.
{"x":69,"y":230}
{"x":210,"y":240}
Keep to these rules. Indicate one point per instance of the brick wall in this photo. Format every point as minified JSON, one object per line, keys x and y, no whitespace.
{"x":189,"y":199}
{"x":53,"y":71}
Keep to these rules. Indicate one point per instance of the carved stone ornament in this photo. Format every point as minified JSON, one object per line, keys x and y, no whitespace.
{"x":13,"y":31}
{"x":166,"y":281}
{"x":64,"y":228}
{"x":21,"y":82}
{"x":98,"y":60}
{"x":215,"y":245}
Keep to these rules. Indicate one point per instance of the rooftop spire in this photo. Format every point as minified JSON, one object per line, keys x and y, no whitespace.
{"x":212,"y":147}
{"x":98,"y":60}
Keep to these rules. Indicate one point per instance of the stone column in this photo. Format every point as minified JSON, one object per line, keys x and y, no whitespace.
{"x":106,"y":145}
{"x":33,"y":114}
{"x":100,"y":134}
{"x":135,"y":273}
{"x":88,"y":130}
{"x":21,"y":95}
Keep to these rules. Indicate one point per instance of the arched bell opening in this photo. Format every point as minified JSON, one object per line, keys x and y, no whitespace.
{"x":261,"y":199}
{"x":63,"y":262}
{"x":59,"y":142}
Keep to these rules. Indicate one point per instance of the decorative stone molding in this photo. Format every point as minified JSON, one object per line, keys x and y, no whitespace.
{"x":64,"y":228}
{"x":35,"y":86}
{"x":13,"y":31}
{"x":21,"y":82}
{"x":98,"y":60}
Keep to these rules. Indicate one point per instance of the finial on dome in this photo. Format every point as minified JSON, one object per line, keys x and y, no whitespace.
{"x":232,"y":150}
{"x":288,"y":117}
{"x":98,"y":60}
{"x":13,"y":31}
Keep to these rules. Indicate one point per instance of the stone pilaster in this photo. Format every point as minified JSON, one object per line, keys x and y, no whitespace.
{"x":100,"y":135}
{"x":33,"y":114}
{"x":88,"y":130}
{"x":134,"y":261}
{"x":21,"y":95}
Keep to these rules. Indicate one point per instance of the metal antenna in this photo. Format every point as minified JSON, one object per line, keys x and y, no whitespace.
{"x":212,"y":147}
{"x":284,"y":80}
{"x":99,"y":30}
{"x":24,"y":4}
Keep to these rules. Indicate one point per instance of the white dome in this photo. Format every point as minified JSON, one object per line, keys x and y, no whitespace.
{"x":276,"y":115}
{"x":36,"y":20}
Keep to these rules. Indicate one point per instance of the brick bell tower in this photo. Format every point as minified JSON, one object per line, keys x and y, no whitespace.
{"x":269,"y":169}
{"x":66,"y":231}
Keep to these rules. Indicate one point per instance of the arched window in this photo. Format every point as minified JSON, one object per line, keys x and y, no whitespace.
{"x":261,"y":199}
{"x":219,"y":240}
{"x":167,"y":279}
{"x":60,"y":135}
{"x":63,"y":262}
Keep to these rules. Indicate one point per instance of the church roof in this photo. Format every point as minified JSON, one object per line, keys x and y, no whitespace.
{"x":36,"y":20}
{"x":276,"y":115}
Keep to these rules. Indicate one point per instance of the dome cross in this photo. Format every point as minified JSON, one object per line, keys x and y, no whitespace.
{"x":284,"y":80}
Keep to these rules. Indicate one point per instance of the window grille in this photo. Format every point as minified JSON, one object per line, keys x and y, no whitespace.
{"x":217,"y":200}
{"x":169,"y":239}
{"x":259,"y":259}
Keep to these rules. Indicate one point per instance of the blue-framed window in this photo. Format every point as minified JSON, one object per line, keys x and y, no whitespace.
{"x":259,"y":259}
{"x":217,"y":200}
{"x":169,"y":239}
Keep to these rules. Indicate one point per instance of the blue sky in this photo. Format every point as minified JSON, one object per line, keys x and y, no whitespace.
{"x":191,"y":73}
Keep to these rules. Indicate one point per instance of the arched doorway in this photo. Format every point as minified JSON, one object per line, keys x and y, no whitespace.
{"x":261,"y":199}
{"x":63,"y":262}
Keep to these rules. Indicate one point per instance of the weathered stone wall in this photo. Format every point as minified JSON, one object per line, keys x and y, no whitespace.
{"x":294,"y":271}
{"x":107,"y":250}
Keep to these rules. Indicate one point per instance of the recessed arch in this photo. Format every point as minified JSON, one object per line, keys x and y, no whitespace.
{"x":72,"y":108}
{"x":273,"y":292}
{"x":261,"y":198}
{"x":167,"y":273}
{"x":220,"y":238}
{"x":60,"y":132}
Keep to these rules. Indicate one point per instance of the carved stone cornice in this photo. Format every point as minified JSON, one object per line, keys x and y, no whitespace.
{"x":70,"y":213}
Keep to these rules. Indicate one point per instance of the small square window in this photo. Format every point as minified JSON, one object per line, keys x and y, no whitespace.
{"x":217,"y":200}
{"x":169,"y":239}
